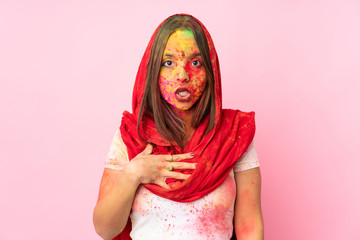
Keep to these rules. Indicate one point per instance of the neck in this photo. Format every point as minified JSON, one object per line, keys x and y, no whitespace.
{"x":185,"y":115}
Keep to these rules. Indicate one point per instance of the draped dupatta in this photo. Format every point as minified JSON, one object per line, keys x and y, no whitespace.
{"x":215,"y":153}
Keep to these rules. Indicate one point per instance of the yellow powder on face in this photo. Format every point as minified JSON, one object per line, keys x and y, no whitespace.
{"x":180,"y":52}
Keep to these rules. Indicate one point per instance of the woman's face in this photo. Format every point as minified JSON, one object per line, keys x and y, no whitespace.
{"x":182,"y":77}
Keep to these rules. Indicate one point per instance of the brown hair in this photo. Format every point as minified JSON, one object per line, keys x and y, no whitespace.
{"x":169,"y":125}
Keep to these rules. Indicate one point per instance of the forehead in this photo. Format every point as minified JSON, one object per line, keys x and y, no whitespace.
{"x":182,"y":41}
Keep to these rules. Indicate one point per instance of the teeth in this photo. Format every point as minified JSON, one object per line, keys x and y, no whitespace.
{"x":183,"y":93}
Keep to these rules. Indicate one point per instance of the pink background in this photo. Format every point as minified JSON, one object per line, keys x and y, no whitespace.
{"x":67,"y":70}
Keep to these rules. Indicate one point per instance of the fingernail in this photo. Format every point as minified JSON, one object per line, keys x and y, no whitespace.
{"x":192,"y":154}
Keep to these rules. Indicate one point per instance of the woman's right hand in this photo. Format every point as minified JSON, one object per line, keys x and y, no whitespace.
{"x":154,"y":169}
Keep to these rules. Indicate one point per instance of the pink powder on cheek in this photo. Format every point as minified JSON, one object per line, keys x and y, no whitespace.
{"x":197,"y":86}
{"x":167,"y":88}
{"x":197,"y":76}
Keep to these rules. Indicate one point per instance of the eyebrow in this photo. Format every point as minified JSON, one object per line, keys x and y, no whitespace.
{"x":191,"y":56}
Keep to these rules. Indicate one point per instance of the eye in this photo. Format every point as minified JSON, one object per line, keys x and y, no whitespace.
{"x":196,"y":63}
{"x":167,"y":63}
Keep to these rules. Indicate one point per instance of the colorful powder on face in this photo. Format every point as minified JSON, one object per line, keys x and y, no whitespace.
{"x":183,"y":68}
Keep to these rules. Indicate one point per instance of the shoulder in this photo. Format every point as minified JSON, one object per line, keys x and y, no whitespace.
{"x":237,"y":112}
{"x":117,"y":156}
{"x":245,"y":119}
{"x":248,"y":160}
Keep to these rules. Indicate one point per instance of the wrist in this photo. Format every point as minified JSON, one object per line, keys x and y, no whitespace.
{"x":132,"y":174}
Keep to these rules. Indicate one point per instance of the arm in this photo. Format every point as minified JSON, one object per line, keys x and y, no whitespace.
{"x":248,"y":221}
{"x":118,"y":188}
{"x":117,"y":192}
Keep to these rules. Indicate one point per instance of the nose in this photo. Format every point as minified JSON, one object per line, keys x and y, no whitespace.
{"x":182,"y":75}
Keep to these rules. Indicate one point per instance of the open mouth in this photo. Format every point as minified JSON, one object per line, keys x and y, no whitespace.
{"x":183,"y":94}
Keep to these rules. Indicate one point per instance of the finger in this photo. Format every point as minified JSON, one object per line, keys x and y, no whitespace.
{"x":183,"y":165}
{"x":177,"y":157}
{"x":162,"y":183}
{"x":176,"y":175}
{"x":148,"y":149}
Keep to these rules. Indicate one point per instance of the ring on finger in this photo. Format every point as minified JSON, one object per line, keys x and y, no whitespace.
{"x":171,"y":157}
{"x":171,"y":167}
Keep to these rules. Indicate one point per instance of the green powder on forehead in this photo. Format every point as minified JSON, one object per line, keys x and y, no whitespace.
{"x":187,"y":32}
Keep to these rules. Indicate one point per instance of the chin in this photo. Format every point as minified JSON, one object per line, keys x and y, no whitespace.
{"x":182,"y":107}
{"x":186,"y":106}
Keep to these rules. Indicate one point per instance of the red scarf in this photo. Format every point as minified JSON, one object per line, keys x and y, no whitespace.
{"x":216,"y":153}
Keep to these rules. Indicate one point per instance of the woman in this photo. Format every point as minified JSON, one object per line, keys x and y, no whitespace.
{"x":176,"y":166}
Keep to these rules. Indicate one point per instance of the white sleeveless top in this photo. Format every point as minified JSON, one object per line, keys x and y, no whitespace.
{"x":157,"y":218}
